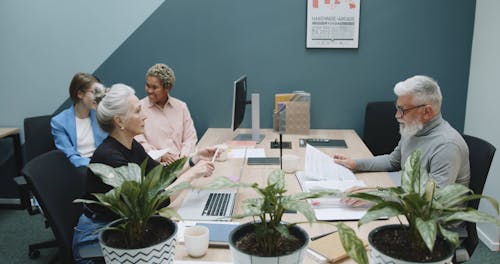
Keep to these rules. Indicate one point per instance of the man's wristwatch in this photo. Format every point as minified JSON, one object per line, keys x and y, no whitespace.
{"x":191,"y":163}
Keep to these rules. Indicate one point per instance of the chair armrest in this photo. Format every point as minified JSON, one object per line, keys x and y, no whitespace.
{"x":25,"y":194}
{"x":20,"y":181}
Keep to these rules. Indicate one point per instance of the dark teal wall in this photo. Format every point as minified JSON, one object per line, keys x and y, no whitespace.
{"x":211,"y":43}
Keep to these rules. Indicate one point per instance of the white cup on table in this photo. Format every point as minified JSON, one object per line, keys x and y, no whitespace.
{"x":222,"y":153}
{"x":290,"y":163}
{"x":196,"y":240}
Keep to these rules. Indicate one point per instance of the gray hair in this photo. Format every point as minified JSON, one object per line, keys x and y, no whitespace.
{"x":424,"y":89}
{"x":114,"y":103}
{"x":164,"y":73}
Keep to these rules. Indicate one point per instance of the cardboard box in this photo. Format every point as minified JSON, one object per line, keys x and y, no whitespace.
{"x":293,"y":116}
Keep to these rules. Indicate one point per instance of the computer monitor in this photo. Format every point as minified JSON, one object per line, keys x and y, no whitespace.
{"x":239,"y":105}
{"x":239,"y":101}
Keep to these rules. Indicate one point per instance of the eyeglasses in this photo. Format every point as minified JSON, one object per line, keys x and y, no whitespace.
{"x":403,"y":111}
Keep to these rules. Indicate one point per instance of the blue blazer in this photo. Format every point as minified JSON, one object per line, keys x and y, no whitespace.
{"x":64,"y":132}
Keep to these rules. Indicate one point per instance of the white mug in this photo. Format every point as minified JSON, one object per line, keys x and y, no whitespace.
{"x":222,"y":154}
{"x":290,"y":163}
{"x":196,"y":240}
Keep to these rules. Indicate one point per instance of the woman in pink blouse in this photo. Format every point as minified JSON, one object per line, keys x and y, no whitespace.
{"x":168,"y":125}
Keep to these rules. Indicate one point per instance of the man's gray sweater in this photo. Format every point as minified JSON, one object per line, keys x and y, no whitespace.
{"x":445,"y":154}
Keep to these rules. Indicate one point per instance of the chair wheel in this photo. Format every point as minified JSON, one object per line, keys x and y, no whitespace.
{"x":33,"y":254}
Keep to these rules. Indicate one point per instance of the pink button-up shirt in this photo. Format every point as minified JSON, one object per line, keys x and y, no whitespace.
{"x":170,"y":127}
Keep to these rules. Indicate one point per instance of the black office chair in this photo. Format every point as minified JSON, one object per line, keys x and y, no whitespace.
{"x":37,"y":140}
{"x":481,"y":155}
{"x":381,"y":131}
{"x":37,"y":136}
{"x":55,"y":183}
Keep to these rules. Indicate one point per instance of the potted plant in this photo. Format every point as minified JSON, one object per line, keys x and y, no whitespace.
{"x":431,"y":215}
{"x":267,"y":239}
{"x":144,"y":233}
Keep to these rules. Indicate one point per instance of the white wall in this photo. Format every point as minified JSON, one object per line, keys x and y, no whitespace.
{"x":44,"y":43}
{"x":483,"y":112}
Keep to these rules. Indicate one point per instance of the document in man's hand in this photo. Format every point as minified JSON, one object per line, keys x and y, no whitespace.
{"x":320,"y":167}
{"x":322,"y":173}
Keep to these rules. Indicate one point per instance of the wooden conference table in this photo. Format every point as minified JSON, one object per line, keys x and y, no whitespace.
{"x":258,"y":173}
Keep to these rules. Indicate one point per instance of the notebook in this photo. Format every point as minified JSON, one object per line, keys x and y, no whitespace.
{"x":208,"y":205}
{"x":328,"y":249}
{"x":219,"y":232}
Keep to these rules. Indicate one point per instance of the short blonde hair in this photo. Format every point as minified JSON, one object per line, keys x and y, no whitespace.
{"x":114,"y":103}
{"x":164,"y":73}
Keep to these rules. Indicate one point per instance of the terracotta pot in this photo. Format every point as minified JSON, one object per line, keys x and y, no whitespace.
{"x":163,"y":252}
{"x":241,"y":257}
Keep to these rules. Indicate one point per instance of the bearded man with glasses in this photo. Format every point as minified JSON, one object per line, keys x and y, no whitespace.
{"x":445,"y":154}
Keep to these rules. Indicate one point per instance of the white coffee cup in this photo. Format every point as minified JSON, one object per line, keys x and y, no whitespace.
{"x":222,"y":156}
{"x":196,"y":240}
{"x":290,"y":163}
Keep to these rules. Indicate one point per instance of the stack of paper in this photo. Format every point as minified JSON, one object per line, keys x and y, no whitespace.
{"x":322,"y":173}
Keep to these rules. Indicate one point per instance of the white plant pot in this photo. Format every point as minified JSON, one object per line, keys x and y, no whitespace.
{"x":379,"y":257}
{"x":240,"y":257}
{"x":163,"y":252}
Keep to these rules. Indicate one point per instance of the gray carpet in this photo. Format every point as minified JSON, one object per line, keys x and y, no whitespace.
{"x":18,"y":230}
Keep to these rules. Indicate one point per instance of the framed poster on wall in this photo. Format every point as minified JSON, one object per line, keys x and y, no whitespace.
{"x":332,"y":23}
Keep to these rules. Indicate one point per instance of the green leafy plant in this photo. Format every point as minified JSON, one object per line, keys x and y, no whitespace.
{"x":428,"y":210}
{"x":268,"y":209}
{"x":136,"y":196}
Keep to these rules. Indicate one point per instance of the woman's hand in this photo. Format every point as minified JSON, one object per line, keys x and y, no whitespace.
{"x":204,"y":154}
{"x":202,"y":169}
{"x":169,"y":158}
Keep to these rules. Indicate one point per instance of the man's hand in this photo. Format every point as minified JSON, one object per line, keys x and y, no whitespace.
{"x":169,"y":158}
{"x":355,"y":202}
{"x":344,"y":161}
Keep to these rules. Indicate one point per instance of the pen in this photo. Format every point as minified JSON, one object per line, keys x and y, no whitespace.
{"x":215,"y":154}
{"x":322,"y":235}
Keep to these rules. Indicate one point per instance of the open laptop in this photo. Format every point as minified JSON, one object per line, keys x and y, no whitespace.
{"x":208,"y":205}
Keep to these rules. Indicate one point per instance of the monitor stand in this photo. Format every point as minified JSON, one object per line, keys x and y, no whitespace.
{"x":255,"y":136}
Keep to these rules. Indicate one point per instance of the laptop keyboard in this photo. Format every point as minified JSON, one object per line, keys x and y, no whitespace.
{"x":216,"y":204}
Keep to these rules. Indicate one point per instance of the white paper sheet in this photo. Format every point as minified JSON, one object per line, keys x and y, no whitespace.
{"x":156,"y":154}
{"x":320,"y":166}
{"x":251,"y":153}
{"x":340,"y":213}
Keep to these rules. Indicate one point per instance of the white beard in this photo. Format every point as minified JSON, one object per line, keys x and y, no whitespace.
{"x":409,"y":129}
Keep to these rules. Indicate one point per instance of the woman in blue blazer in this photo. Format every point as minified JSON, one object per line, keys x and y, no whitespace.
{"x":75,"y":130}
